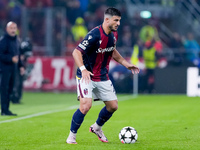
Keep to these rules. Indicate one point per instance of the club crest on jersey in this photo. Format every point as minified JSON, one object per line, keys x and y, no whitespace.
{"x":86,"y":91}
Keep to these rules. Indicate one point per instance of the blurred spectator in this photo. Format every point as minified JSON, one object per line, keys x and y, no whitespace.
{"x":95,"y":4}
{"x":14,"y":11}
{"x":167,"y":3}
{"x":158,"y":46}
{"x":177,"y":46}
{"x":36,"y":27}
{"x":59,"y":3}
{"x":25,"y":51}
{"x":90,"y":20}
{"x":70,"y":45}
{"x":150,"y":56}
{"x":99,"y":14}
{"x":137,"y":53}
{"x":3,"y":4}
{"x":135,"y":37}
{"x":57,"y":34}
{"x":126,"y":37}
{"x":83,"y":5}
{"x":79,"y":30}
{"x":57,"y":44}
{"x":3,"y":14}
{"x":148,"y":32}
{"x":38,"y":3}
{"x":192,"y":49}
{"x":73,"y":10}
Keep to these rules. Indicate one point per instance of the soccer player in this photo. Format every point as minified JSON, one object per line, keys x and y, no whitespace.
{"x":92,"y":57}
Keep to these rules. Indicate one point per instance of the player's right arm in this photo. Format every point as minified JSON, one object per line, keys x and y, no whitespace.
{"x":118,"y":58}
{"x":77,"y":55}
{"x":83,"y":48}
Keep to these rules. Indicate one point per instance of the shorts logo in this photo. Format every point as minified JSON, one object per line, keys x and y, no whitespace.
{"x":86,"y":91}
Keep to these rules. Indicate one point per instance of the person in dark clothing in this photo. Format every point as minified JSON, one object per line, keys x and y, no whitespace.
{"x":178,"y":48}
{"x":9,"y":60}
{"x":25,"y":53}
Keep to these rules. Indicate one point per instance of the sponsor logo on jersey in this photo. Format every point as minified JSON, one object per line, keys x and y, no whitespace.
{"x":100,"y":41}
{"x":102,"y":50}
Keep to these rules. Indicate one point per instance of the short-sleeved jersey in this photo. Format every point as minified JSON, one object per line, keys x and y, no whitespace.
{"x":97,"y":48}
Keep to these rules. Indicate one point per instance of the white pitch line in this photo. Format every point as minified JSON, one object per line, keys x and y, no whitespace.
{"x":39,"y":114}
{"x":55,"y":111}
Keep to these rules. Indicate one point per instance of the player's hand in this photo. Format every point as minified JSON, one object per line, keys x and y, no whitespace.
{"x":22,"y":70}
{"x":86,"y":76}
{"x":15,"y":59}
{"x":133,"y":68}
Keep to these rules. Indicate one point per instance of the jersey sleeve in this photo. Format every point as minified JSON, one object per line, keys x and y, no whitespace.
{"x":90,"y":40}
{"x":115,"y":38}
{"x":116,"y":35}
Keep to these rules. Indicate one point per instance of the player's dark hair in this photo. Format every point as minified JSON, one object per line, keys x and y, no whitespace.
{"x":112,"y":11}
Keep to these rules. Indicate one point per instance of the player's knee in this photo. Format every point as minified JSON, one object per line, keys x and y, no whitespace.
{"x":85,"y":105}
{"x":112,"y":108}
{"x":84,"y":109}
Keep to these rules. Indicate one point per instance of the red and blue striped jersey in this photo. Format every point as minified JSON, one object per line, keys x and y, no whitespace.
{"x":97,"y":48}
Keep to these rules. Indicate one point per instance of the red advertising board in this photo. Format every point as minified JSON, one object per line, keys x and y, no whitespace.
{"x":51,"y":73}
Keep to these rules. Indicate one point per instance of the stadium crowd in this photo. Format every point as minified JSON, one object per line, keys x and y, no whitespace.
{"x":83,"y":15}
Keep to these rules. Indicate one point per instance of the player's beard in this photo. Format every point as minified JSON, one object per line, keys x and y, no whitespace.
{"x":112,"y":28}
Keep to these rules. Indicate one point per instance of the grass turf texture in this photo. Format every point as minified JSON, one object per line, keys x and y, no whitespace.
{"x":162,"y":121}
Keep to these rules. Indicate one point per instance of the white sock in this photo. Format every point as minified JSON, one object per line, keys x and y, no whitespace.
{"x":97,"y":127}
{"x":72,"y":134}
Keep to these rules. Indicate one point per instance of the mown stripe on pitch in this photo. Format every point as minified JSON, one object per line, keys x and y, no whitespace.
{"x":123,"y":98}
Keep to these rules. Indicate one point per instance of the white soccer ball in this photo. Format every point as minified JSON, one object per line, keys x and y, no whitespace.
{"x":128,"y":135}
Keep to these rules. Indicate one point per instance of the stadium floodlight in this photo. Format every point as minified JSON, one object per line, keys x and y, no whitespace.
{"x":145,"y":14}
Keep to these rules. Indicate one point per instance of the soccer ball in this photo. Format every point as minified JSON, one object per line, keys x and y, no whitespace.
{"x":128,"y":135}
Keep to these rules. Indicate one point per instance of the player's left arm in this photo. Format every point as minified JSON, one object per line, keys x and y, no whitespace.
{"x":118,"y":58}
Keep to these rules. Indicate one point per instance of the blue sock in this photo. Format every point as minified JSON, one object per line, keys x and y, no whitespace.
{"x":104,"y":116}
{"x":77,"y":120}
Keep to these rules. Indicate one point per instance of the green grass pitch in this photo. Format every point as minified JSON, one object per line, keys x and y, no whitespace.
{"x":163,"y":122}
